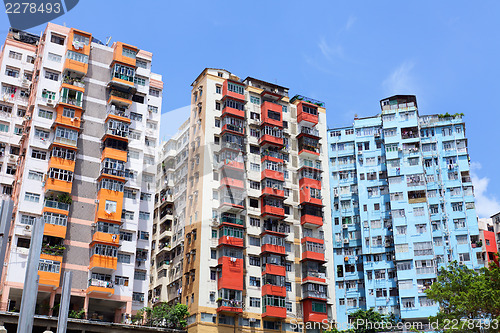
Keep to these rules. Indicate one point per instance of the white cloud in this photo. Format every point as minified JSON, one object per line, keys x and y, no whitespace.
{"x":486,"y":205}
{"x":330,"y":51}
{"x":172,"y":120}
{"x":401,"y":80}
{"x":350,"y":22}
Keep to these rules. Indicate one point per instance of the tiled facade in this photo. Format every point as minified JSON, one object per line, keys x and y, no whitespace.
{"x":402,"y":206}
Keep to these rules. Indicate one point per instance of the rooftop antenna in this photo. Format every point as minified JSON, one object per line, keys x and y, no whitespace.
{"x":108,"y":40}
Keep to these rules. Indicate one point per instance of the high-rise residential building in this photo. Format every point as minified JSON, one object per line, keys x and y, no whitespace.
{"x":402,"y":206}
{"x":167,"y":250}
{"x":86,"y":166}
{"x":248,"y":191}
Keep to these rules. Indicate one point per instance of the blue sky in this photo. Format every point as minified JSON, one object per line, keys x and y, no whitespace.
{"x":349,"y":55}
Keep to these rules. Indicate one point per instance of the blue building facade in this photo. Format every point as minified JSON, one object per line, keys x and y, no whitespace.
{"x":402,"y":206}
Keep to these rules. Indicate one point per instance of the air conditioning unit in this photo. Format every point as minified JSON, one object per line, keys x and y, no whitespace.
{"x":50,"y":102}
{"x":27,"y":228}
{"x":345,"y":226}
{"x":360,"y":152}
{"x":134,"y":192}
{"x":346,"y":241}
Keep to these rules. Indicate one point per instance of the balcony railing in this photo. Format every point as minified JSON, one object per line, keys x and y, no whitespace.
{"x":232,"y":220}
{"x":426,"y":270}
{"x":71,"y":101}
{"x":117,"y":132}
{"x":314,"y":293}
{"x":112,"y":109}
{"x":310,"y":131}
{"x":314,"y":274}
{"x":100,"y":283}
{"x":274,"y":154}
{"x":75,"y":82}
{"x":56,"y":204}
{"x":230,"y":303}
{"x":113,"y":172}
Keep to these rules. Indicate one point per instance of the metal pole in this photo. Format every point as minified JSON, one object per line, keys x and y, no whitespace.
{"x":62,"y":323}
{"x":5,"y":219}
{"x":30,"y":289}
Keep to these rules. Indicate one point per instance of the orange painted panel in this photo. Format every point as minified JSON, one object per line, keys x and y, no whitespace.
{"x":115,"y":154}
{"x":85,"y":49}
{"x":304,"y":116}
{"x":119,"y":100}
{"x":110,"y":195}
{"x":70,"y":122}
{"x":61,"y":163}
{"x":274,"y":270}
{"x":313,"y":279}
{"x":311,"y":239}
{"x":75,"y":66}
{"x":310,"y":315}
{"x":58,"y":185}
{"x":267,"y":173}
{"x":72,"y":87}
{"x":103,"y":261}
{"x":121,"y":81}
{"x":54,"y":230}
{"x":269,"y":289}
{"x":55,"y":210}
{"x":119,"y":57}
{"x":232,"y":241}
{"x":274,"y":312}
{"x":100,"y":290}
{"x":311,"y":220}
{"x":270,"y":158}
{"x":233,"y":164}
{"x":119,"y":118}
{"x":50,"y":278}
{"x":305,"y":197}
{"x":232,"y":274}
{"x":229,"y":309}
{"x":272,"y":248}
{"x":103,"y":237}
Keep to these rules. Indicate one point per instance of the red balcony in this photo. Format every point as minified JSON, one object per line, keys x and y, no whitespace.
{"x":269,"y":139}
{"x":278,"y":175}
{"x":227,"y":163}
{"x":226,"y":306}
{"x":274,"y":270}
{"x":273,"y":249}
{"x":317,"y":256}
{"x":307,"y":117}
{"x":270,"y":311}
{"x":271,"y":114}
{"x":229,"y":111}
{"x":231,"y":273}
{"x":305,"y":197}
{"x":271,"y":210}
{"x":309,"y":152}
{"x":226,"y":181}
{"x":314,"y":316}
{"x":232,"y":94}
{"x":309,"y":182}
{"x":269,"y":289}
{"x":231,"y":241}
{"x":278,"y":158}
{"x":311,"y":221}
{"x":274,"y":192}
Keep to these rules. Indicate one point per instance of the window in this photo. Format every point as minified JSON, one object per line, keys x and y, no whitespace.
{"x":27,"y":219}
{"x":11,"y":169}
{"x":137,"y":297}
{"x":49,"y":266}
{"x":4,"y":127}
{"x":141,"y":63}
{"x":254,"y":185}
{"x":140,"y":275}
{"x":15,"y":55}
{"x":254,"y":261}
{"x":255,"y":302}
{"x":154,"y":92}
{"x":255,"y":222}
{"x":144,"y":215}
{"x":54,"y":57}
{"x":51,"y":75}
{"x":255,"y":100}
{"x":124,"y":258}
{"x":12,"y":72}
{"x":35,"y":175}
{"x":128,"y":53}
{"x":41,"y":134}
{"x":144,"y":235}
{"x":127,"y":215}
{"x":135,"y":116}
{"x":218,"y":89}
{"x":255,"y":167}
{"x":254,"y":241}
{"x":254,"y":281}
{"x":213,"y":254}
{"x":45,"y":114}
{"x":126,"y":236}
{"x":32,"y":197}
{"x":121,"y":280}
{"x":110,"y":206}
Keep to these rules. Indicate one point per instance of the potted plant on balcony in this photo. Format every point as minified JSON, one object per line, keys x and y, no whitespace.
{"x":65,"y":198}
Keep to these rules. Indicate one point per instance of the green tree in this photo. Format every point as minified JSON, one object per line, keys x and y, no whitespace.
{"x":465,"y":296}
{"x":162,"y":315}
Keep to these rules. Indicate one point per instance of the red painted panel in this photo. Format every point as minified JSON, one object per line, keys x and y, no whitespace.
{"x":266,"y":138}
{"x":274,"y":270}
{"x":309,"y":182}
{"x":273,"y":192}
{"x":271,"y":158}
{"x":232,"y":274}
{"x":265,"y":107}
{"x":227,"y":128}
{"x":307,"y":117}
{"x":311,"y":239}
{"x":226,"y":181}
{"x":305,"y":196}
{"x":313,"y":279}
{"x":309,"y":255}
{"x":271,"y":210}
{"x":311,"y":220}
{"x":229,"y":111}
{"x":229,"y":309}
{"x":231,"y":241}
{"x":227,"y":93}
{"x":269,"y":289}
{"x":267,"y":173}
{"x":232,"y":164}
{"x":272,"y":248}
{"x":274,"y":312}
{"x":309,"y":315}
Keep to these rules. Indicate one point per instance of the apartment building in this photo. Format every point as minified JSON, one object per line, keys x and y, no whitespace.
{"x":86,"y":166}
{"x":488,"y":234}
{"x":167,"y":248}
{"x":402,"y":206}
{"x":247,"y":188}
